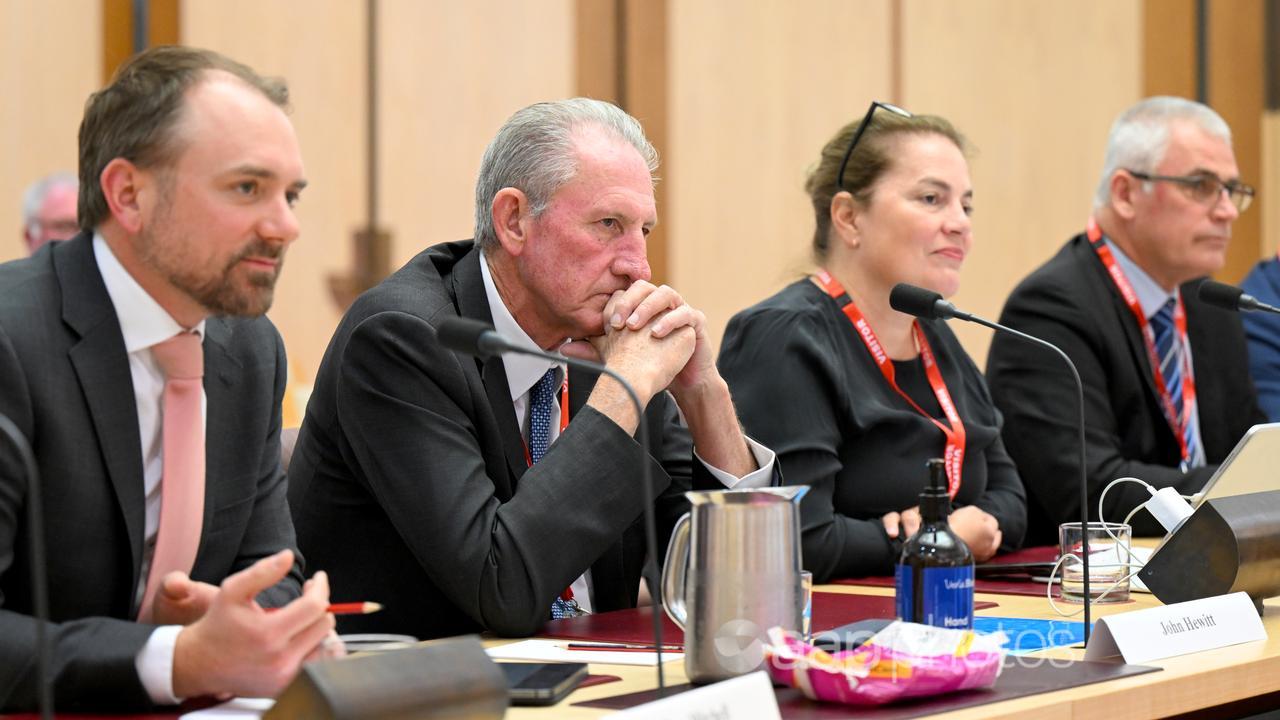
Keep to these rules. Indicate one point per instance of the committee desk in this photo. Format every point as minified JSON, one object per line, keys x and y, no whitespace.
{"x":1228,"y":682}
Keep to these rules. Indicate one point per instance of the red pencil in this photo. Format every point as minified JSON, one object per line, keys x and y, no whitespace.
{"x":351,"y":608}
{"x":354,"y":608}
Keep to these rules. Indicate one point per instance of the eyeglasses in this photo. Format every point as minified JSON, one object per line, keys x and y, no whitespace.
{"x":1205,"y":188}
{"x":858,"y":135}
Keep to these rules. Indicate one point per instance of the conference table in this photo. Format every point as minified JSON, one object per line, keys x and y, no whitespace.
{"x":1232,"y":681}
{"x":1227,"y":682}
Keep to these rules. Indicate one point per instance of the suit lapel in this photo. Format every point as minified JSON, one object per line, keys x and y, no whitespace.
{"x":220,"y":413}
{"x":102,"y":368}
{"x":1124,"y":319}
{"x":468,"y":292}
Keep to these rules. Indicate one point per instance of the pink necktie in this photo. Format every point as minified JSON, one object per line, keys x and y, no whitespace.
{"x":181,"y":358}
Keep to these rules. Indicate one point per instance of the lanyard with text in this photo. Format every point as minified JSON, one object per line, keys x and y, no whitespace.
{"x":1178,"y":423}
{"x":954,"y":429}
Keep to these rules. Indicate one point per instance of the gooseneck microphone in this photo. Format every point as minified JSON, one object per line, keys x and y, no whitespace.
{"x":924,"y":303}
{"x":1232,"y":298}
{"x":36,"y":556}
{"x":476,"y":338}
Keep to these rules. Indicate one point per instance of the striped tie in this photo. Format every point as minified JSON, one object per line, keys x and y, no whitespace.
{"x":1169,"y":350}
{"x":541,"y":400}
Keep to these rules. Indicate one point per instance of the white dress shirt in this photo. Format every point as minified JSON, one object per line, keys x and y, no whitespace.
{"x":143,"y":323}
{"x":524,"y":371}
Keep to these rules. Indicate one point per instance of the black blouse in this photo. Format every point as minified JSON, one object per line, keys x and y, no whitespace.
{"x":805,"y":385}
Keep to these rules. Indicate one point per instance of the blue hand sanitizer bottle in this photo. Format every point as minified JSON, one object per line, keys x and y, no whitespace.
{"x":934,"y":577}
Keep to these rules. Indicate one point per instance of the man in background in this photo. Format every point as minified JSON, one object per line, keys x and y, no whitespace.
{"x":49,"y":210}
{"x":136,"y":359}
{"x":1166,"y":381}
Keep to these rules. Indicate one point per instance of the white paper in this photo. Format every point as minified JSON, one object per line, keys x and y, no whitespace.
{"x":1142,"y":555}
{"x":749,"y":696}
{"x":236,"y":709}
{"x":1182,"y":628}
{"x":553,"y":651}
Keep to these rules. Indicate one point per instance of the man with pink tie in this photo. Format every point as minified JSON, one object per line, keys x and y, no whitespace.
{"x":136,"y":360}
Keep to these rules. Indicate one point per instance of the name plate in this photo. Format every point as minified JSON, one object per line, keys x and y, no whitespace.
{"x":747,"y":696}
{"x":1179,"y":629}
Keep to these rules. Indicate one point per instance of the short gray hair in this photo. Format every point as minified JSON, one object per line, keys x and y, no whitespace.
{"x":536,"y":153}
{"x":36,"y":192}
{"x":1140,"y":136}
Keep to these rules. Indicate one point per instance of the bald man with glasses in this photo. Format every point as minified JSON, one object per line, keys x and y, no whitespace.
{"x":1166,"y":378}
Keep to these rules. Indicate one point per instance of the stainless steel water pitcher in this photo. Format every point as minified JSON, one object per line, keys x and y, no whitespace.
{"x":732,"y":572}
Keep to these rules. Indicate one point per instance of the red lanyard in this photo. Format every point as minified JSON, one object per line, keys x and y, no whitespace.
{"x":954,"y":429}
{"x":1177,"y":423}
{"x":564,"y":417}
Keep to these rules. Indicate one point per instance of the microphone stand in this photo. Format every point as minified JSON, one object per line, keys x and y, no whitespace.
{"x":1084,"y":482}
{"x":36,"y":556}
{"x":489,"y":342}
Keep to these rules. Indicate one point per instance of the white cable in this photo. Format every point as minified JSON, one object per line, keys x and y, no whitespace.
{"x":1133,"y":560}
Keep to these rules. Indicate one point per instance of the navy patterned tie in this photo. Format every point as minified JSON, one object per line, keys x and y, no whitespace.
{"x":1169,"y":350}
{"x":541,"y":399}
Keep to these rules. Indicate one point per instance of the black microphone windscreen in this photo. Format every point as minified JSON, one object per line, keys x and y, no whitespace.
{"x":462,"y":334}
{"x":914,"y":300}
{"x":1220,"y":294}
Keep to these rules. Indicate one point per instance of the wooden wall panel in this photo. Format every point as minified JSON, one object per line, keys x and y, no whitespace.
{"x":1237,"y":92}
{"x":1169,"y":48}
{"x":1035,"y":87}
{"x":163,"y":20}
{"x":756,"y":89}
{"x":318,"y":47}
{"x":1267,"y":202}
{"x":454,"y":72}
{"x":50,"y":60}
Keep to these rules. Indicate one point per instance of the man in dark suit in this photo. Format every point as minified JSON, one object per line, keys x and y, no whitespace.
{"x":189,"y":168}
{"x":419,"y":478}
{"x":1116,"y":297}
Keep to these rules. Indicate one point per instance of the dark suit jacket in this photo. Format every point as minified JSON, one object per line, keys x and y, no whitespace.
{"x":409,"y":483}
{"x":1263,"y":333}
{"x":1071,"y":302}
{"x":65,"y":382}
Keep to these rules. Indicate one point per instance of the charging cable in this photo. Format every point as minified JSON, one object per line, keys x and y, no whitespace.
{"x":1168,"y":507}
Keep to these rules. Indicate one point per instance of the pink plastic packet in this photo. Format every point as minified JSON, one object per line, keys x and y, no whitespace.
{"x":904,"y":660}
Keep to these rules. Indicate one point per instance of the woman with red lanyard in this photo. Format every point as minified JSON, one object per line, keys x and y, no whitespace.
{"x":856,"y":397}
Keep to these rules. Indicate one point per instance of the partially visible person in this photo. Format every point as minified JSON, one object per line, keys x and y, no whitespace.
{"x":136,"y":359}
{"x":1166,"y":378}
{"x":1263,"y":333}
{"x":856,"y":397}
{"x":49,"y":210}
{"x":496,"y":494}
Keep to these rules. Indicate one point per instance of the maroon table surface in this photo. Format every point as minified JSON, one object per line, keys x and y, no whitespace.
{"x":1044,"y":553}
{"x":636,"y":626}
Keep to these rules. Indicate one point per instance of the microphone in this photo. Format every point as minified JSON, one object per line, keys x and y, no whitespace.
{"x":927,"y":304}
{"x":1232,"y":298}
{"x":923,"y":303}
{"x":36,"y":556}
{"x":473,"y":337}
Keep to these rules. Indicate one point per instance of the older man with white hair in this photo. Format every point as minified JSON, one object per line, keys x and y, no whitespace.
{"x":1166,"y":380}
{"x":496,"y":494}
{"x":49,"y":210}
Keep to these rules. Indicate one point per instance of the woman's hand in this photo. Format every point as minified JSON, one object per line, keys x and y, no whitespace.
{"x":908,"y":520}
{"x":979,"y":530}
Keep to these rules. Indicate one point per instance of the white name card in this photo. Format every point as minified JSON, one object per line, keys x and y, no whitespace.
{"x":1179,"y":629}
{"x":747,"y":696}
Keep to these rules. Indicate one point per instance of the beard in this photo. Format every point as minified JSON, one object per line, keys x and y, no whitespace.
{"x":217,"y":290}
